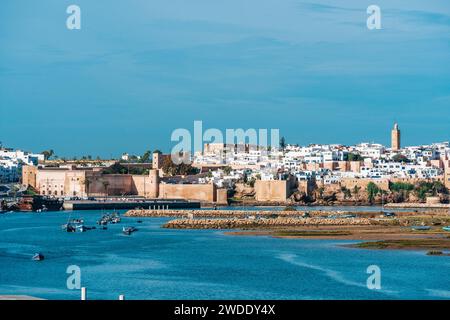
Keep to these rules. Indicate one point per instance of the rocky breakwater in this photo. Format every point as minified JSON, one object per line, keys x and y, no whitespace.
{"x":270,"y":214}
{"x":212,"y":213}
{"x":237,"y":223}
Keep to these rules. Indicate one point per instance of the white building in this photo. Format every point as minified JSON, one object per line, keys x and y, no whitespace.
{"x":11,"y":162}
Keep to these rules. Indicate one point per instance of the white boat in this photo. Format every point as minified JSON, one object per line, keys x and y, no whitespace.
{"x":38,"y":257}
{"x":420,"y":228}
{"x":128,"y":230}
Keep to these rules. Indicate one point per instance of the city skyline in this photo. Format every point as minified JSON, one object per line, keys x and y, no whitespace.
{"x":118,"y":153}
{"x":125,"y":85}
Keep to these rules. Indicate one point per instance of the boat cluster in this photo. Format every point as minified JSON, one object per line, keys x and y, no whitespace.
{"x":76,"y":225}
{"x":111,"y":218}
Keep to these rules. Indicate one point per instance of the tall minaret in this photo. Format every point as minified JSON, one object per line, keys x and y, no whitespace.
{"x":395,"y":138}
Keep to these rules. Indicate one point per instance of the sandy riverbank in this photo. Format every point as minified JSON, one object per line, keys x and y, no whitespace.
{"x":373,"y":236}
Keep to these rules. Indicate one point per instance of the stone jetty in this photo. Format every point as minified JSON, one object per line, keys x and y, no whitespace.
{"x":236,"y":223}
{"x":211,"y":213}
{"x":235,"y":213}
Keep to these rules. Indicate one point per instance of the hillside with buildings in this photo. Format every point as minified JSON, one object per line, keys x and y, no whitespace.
{"x":366,"y":173}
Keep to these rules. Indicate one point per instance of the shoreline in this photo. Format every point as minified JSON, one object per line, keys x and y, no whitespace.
{"x":243,"y":213}
{"x":372,"y":228}
{"x":371,"y":237}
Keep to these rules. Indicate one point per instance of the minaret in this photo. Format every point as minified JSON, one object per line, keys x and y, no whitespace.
{"x":395,"y":138}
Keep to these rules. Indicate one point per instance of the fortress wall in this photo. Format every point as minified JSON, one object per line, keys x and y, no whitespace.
{"x":199,"y":192}
{"x":271,"y":190}
{"x":118,"y":184}
{"x":362,"y":183}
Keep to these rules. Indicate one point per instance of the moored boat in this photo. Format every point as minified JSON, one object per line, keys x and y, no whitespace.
{"x":447,"y":228}
{"x":128,"y":230}
{"x":38,"y":257}
{"x":39,"y":203}
{"x":420,"y":228}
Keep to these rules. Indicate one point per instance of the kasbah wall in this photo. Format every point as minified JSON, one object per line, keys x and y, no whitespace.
{"x":72,"y":181}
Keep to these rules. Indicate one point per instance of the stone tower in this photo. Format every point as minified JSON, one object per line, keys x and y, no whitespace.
{"x":154,"y":183}
{"x":157,"y":160}
{"x":395,"y":138}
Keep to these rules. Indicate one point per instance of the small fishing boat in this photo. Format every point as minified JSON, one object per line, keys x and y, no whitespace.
{"x":128,"y":230}
{"x":76,"y":227}
{"x":68,"y":227}
{"x":420,"y":228}
{"x":80,"y":228}
{"x":114,"y":218}
{"x":76,"y":221}
{"x":38,"y":257}
{"x":102,"y":222}
{"x":389,"y":214}
{"x":348,"y":216}
{"x":447,"y":228}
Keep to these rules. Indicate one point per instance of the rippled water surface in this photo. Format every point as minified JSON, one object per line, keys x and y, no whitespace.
{"x":156,"y":263}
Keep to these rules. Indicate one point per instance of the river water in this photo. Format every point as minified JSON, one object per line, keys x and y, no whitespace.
{"x":156,"y":263}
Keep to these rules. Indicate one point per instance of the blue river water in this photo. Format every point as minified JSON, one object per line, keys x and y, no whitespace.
{"x":157,"y":263}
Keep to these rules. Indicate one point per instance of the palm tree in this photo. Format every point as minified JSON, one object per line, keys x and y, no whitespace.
{"x":356,"y":191}
{"x":48,"y":154}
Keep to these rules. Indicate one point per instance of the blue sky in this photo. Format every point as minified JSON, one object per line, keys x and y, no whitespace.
{"x":139,"y":69}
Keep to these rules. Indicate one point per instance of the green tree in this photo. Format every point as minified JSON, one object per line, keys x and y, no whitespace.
{"x":48,"y":154}
{"x":354,"y":157}
{"x":251,"y":182}
{"x":227,"y":170}
{"x":146,"y":157}
{"x":372,"y":191}
{"x":346,"y":192}
{"x":400,"y":186}
{"x":177,"y":169}
{"x":434,"y":188}
{"x":400,"y":158}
